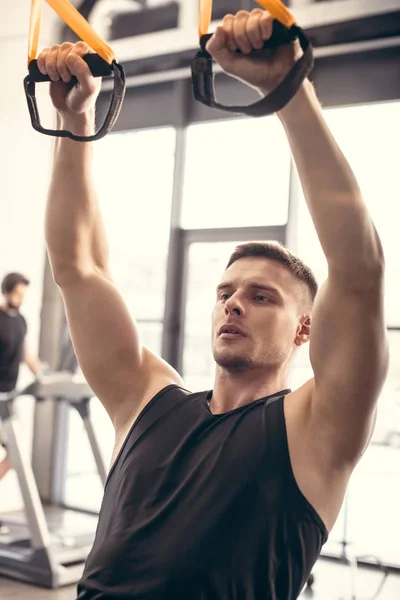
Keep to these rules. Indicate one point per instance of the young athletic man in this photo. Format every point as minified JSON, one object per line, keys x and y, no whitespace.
{"x":228,"y":494}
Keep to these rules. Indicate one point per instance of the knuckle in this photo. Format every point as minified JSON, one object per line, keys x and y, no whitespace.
{"x":227,"y":19}
{"x":266,"y":17}
{"x":81,"y":46}
{"x":242,"y":14}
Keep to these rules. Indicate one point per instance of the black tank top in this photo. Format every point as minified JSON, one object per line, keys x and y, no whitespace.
{"x":12,"y":334}
{"x":204,"y":507}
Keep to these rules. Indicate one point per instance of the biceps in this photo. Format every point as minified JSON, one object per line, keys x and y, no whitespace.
{"x":349,"y":356}
{"x":105,"y":338}
{"x":348,"y":345}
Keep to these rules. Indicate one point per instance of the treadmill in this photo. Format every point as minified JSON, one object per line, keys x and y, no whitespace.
{"x":37,"y":547}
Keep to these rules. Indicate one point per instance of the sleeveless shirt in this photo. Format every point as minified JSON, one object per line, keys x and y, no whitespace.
{"x":204,"y":507}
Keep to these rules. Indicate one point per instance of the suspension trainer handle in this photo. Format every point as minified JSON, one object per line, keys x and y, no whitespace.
{"x":285,"y":31}
{"x":97,"y":65}
{"x":101,"y":64}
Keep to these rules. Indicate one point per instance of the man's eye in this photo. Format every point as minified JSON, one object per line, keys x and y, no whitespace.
{"x":224,"y":297}
{"x":260,"y":298}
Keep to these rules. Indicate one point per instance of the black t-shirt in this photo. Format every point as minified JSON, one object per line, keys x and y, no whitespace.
{"x":204,"y":507}
{"x":12,"y":334}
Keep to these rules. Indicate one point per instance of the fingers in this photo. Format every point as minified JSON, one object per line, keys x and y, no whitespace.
{"x":266,"y":23}
{"x":217,"y":45}
{"x":60,"y":63}
{"x":79,"y":68}
{"x":228,"y":28}
{"x":245,"y":31}
{"x":240,"y":32}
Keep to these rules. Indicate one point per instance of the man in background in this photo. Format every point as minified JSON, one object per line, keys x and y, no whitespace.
{"x":13,"y":345}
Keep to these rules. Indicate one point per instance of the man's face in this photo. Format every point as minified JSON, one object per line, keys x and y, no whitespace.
{"x":258,"y":319}
{"x":15,"y":298}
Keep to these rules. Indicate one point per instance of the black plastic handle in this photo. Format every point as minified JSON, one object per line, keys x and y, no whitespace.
{"x":115,"y":107}
{"x":97,"y":65}
{"x":203,"y":77}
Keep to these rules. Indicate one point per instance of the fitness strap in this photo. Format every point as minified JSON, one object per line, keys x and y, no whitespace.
{"x":285,"y":31}
{"x":101,"y":64}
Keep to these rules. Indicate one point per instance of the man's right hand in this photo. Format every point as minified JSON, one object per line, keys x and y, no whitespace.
{"x":60,"y":63}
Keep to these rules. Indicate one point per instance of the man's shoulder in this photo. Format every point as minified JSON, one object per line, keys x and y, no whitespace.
{"x":22,"y":320}
{"x":13,"y":317}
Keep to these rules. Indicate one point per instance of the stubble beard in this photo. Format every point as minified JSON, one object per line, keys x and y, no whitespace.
{"x":232,"y":360}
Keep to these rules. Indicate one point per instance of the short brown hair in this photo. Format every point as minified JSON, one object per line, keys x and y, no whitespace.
{"x":11,"y":281}
{"x":276,"y":251}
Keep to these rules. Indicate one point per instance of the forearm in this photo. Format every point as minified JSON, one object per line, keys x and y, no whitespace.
{"x":33,"y":364}
{"x":343,"y":224}
{"x":74,"y":233}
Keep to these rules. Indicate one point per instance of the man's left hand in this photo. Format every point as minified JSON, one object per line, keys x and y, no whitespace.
{"x":247,"y":31}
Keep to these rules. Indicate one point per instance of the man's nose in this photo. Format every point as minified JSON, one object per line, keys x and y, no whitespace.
{"x":234,"y":306}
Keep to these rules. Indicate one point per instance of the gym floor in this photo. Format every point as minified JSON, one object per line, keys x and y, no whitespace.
{"x":332,"y":582}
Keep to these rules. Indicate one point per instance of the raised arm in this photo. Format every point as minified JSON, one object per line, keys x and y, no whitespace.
{"x":122,"y":373}
{"x":348,"y":336}
{"x":348,"y":345}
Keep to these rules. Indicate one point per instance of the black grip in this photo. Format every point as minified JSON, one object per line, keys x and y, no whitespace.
{"x":281,"y":35}
{"x":203,"y":77}
{"x":97,"y":65}
{"x":110,"y":119}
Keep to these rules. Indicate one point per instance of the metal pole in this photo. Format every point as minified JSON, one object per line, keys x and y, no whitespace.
{"x":172,"y":310}
{"x":94,"y":444}
{"x":83,"y":408}
{"x":39,"y":533}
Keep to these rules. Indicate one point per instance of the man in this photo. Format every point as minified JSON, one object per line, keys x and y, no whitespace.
{"x":13,"y":345}
{"x":228,"y":494}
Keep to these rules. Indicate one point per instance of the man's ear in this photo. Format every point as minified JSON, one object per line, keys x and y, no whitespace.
{"x":304,"y":331}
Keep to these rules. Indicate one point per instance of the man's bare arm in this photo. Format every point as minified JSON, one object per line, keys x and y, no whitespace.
{"x":120,"y":371}
{"x":343,"y":224}
{"x":99,"y":244}
{"x":348,"y":347}
{"x":31,"y":361}
{"x":348,"y":340}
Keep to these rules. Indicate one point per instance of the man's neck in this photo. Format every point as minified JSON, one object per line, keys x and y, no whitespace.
{"x":5,"y":308}
{"x":233,"y":390}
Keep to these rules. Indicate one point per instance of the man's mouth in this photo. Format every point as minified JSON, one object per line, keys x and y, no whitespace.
{"x":230,"y":331}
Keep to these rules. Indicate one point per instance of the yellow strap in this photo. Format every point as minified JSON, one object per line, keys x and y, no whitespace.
{"x":34,"y":29}
{"x":205,"y":16}
{"x":275,"y":7}
{"x":72,"y":17}
{"x":278,"y":11}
